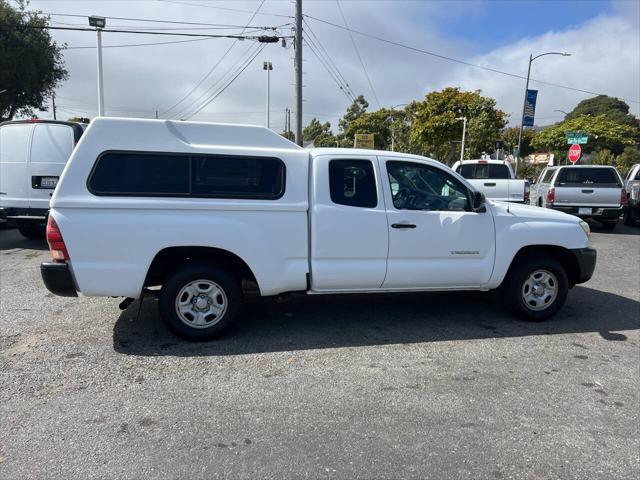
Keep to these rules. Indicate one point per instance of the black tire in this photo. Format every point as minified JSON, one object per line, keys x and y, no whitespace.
{"x":630,"y":218}
{"x":512,"y":288}
{"x":609,"y":226}
{"x":34,"y":231}
{"x":172,"y":287}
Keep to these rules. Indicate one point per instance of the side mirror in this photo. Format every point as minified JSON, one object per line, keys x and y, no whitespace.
{"x":478,"y":202}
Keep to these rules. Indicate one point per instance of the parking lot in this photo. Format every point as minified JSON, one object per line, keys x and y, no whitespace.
{"x":407,"y":385}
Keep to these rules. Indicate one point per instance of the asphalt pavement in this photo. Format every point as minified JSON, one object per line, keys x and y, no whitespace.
{"x":353,"y":386}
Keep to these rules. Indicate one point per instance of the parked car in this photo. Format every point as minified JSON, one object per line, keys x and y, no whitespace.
{"x":632,"y":186}
{"x":33,"y":154}
{"x":494,"y":178}
{"x":206,"y":215}
{"x":587,"y":191}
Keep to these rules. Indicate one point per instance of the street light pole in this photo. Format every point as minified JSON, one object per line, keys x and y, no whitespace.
{"x":268,"y":67}
{"x":298,"y":70}
{"x":99,"y":23}
{"x":393,"y":130}
{"x":524,"y":103}
{"x":464,"y":134}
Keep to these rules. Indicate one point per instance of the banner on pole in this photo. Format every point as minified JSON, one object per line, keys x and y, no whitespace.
{"x":530,"y":108}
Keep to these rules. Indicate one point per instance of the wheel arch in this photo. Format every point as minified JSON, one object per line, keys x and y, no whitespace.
{"x":168,"y":259}
{"x":560,"y":254}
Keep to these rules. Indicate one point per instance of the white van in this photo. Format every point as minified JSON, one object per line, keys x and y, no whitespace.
{"x":33,"y":154}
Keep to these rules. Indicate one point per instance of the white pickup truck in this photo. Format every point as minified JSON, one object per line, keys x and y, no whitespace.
{"x":494,"y":178}
{"x":206,"y":215}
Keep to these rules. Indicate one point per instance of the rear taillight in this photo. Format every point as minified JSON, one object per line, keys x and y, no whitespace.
{"x":56,"y":244}
{"x":551,"y":195}
{"x":623,"y":198}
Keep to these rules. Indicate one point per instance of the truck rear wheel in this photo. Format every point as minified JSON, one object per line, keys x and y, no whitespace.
{"x":35,"y":231}
{"x":536,"y":288}
{"x":609,"y":226}
{"x":199,"y":301}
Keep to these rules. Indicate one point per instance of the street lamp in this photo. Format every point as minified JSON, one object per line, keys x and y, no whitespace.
{"x":99,"y":23}
{"x":464,"y":133}
{"x":268,"y":67}
{"x":393,"y":130}
{"x":526,"y":88}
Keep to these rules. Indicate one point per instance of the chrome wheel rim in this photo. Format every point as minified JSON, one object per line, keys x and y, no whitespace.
{"x":201,"y":303}
{"x":539,"y":290}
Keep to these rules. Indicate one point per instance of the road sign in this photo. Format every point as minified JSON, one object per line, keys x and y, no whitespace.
{"x":574,"y":153}
{"x":577,"y":137}
{"x":363,"y":140}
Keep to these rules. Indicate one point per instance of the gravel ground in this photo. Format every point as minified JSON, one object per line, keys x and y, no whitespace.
{"x":384,"y":386}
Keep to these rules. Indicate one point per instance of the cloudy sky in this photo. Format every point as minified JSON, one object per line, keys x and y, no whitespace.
{"x":177,"y":79}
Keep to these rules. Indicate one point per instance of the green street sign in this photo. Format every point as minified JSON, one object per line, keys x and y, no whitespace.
{"x":577,"y":137}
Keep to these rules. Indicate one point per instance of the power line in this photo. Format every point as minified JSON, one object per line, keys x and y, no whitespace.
{"x":139,"y":44}
{"x":204,"y":35}
{"x":455,"y":60}
{"x":355,"y":47}
{"x":211,"y":70}
{"x":228,"y":84}
{"x":328,"y":58}
{"x":224,"y":8}
{"x":326,"y":67}
{"x":177,"y":22}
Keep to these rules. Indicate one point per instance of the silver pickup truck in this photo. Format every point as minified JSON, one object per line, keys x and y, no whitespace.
{"x":587,"y":191}
{"x":494,"y":178}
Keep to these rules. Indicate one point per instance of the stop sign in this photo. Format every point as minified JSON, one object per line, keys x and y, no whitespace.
{"x":574,"y":153}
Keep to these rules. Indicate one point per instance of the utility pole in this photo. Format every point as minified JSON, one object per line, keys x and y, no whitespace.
{"x":99,"y":23}
{"x":464,"y":134}
{"x":53,"y":102}
{"x":268,"y":67}
{"x":297,"y":64}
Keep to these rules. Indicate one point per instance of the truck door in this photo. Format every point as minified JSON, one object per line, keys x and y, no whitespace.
{"x":14,"y":152}
{"x":435,"y":240}
{"x":51,"y":147}
{"x":348,"y":232}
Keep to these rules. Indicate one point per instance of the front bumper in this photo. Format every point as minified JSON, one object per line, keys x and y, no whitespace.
{"x":597,"y":213}
{"x":586,"y":262}
{"x":58,"y":280}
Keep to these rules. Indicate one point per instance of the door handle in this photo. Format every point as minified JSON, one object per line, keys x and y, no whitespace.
{"x":403,"y":225}
{"x":489,"y":184}
{"x":587,"y":191}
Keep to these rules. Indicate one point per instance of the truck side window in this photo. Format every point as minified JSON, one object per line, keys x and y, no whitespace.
{"x":547,"y":176}
{"x":353,"y":183}
{"x":415,"y":186}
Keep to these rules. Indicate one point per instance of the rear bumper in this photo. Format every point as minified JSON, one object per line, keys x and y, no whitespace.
{"x":24,"y":214}
{"x":586,"y":261}
{"x":597,"y":213}
{"x":58,"y":280}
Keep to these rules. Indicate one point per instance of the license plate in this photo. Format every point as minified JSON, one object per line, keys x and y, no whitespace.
{"x":48,"y":182}
{"x":584,"y":211}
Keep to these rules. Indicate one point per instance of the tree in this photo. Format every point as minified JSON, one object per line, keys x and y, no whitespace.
{"x":436,"y":130}
{"x":509,"y":140}
{"x":79,"y":119}
{"x":628,"y":158}
{"x":325,"y":140}
{"x":315,"y":129}
{"x":612,"y":108}
{"x":604,"y":157}
{"x":355,"y":110}
{"x":31,"y":63}
{"x":603,"y":132}
{"x":289,"y":135}
{"x":378,"y":123}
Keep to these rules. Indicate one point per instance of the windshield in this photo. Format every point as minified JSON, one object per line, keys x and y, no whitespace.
{"x":483,"y":170}
{"x":588,"y":176}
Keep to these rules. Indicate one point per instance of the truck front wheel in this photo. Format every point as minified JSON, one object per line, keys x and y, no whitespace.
{"x":536,"y":288}
{"x":199,"y":301}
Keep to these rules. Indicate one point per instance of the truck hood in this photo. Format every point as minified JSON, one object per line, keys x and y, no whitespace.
{"x":529,"y":212}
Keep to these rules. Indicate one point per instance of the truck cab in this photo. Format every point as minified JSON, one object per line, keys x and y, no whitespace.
{"x":494,"y":178}
{"x":203,"y":216}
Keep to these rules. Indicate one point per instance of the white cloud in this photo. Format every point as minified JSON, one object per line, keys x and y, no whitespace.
{"x":139,"y":80}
